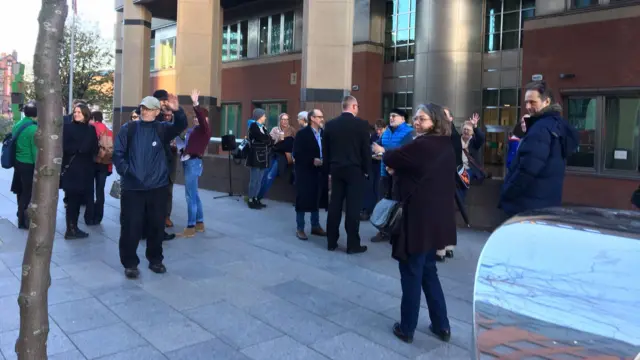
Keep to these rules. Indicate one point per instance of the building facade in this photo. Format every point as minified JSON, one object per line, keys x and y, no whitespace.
{"x":471,"y":55}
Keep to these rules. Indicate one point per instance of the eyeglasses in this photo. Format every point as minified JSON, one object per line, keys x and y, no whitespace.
{"x":287,"y":119}
{"x":420,"y":119}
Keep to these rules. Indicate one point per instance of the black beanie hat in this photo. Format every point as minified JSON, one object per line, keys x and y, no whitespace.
{"x":161,"y":94}
{"x":400,"y":112}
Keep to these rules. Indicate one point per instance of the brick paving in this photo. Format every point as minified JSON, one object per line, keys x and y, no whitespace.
{"x":245,"y":289}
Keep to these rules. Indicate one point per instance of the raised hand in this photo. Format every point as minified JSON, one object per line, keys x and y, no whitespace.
{"x":195,"y":94}
{"x":173,"y":102}
{"x":474,"y":119}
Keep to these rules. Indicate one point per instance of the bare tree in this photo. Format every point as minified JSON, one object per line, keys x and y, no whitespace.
{"x":33,"y":298}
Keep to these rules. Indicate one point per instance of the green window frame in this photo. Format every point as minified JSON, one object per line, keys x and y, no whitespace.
{"x":231,"y":119}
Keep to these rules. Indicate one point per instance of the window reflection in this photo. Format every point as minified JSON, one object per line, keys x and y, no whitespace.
{"x":400,"y":30}
{"x":167,"y":53}
{"x":622,"y":133}
{"x":581,"y":113}
{"x":504,"y":22}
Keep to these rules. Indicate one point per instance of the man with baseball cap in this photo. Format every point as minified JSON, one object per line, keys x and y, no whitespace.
{"x":140,"y":158}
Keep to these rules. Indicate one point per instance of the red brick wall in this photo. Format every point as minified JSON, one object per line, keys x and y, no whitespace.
{"x":601,"y":55}
{"x":367,"y":74}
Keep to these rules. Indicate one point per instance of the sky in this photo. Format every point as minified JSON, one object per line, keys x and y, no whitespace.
{"x":21,"y":18}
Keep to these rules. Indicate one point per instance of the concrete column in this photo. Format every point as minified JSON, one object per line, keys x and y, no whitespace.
{"x":117,"y":78}
{"x":136,"y":55}
{"x":327,"y":54}
{"x":198,"y":55}
{"x":448,"y":60}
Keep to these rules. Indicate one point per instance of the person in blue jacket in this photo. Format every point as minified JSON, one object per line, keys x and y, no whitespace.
{"x":140,"y":159}
{"x":536,"y":174}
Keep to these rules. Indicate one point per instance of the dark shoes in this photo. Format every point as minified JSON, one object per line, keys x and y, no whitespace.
{"x":132,"y":273}
{"x":357,"y":250}
{"x":440,"y":258}
{"x":168,"y":237}
{"x":400,"y":335}
{"x":444,"y":335}
{"x":254,"y":204}
{"x":158,"y":268}
{"x":332,"y":247}
{"x":260,"y":204}
{"x":76,"y":233}
{"x":449,"y":254}
{"x":380,"y":237}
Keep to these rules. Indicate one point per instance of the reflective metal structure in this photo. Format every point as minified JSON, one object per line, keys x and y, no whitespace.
{"x":562,"y":283}
{"x":448,"y":60}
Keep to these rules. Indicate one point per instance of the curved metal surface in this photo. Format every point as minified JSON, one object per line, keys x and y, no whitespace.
{"x":448,"y":58}
{"x":560,"y":284}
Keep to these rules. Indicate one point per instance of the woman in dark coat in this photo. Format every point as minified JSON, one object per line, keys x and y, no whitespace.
{"x":258,"y":159}
{"x":312,"y":182}
{"x":425,"y":173}
{"x":80,"y":146}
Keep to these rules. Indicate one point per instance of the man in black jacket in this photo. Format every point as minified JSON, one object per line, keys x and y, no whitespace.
{"x":139,"y":157}
{"x":347,"y":158}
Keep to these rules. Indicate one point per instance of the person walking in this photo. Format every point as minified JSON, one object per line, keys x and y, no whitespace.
{"x":197,"y":140}
{"x":140,"y":159}
{"x":424,"y":170}
{"x":79,"y":147}
{"x":24,"y":132}
{"x":311,"y":180}
{"x":347,"y":158}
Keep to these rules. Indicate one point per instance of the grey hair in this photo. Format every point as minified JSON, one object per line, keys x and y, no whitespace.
{"x":303,"y":115}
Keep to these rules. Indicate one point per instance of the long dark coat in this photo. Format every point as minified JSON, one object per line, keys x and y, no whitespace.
{"x":261,"y":143}
{"x":425,"y":170}
{"x":79,"y":147}
{"x":312,"y":182}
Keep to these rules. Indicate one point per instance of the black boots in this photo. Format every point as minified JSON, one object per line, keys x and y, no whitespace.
{"x":254,"y":203}
{"x":73,"y":232}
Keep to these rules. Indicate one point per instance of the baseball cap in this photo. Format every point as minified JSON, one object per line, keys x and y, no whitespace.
{"x":150,"y":103}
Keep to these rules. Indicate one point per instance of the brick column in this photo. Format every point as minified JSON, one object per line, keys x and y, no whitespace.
{"x":136,"y":54}
{"x":327,"y":54}
{"x":198,"y":56}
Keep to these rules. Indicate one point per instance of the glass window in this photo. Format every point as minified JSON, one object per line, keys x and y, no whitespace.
{"x":511,"y":5}
{"x":400,"y":30}
{"x":244,"y":36}
{"x":233,"y":42}
{"x":621,"y":133}
{"x":493,"y":24}
{"x":528,"y":4}
{"x":494,"y":6}
{"x":511,"y":21}
{"x":584,"y":3}
{"x":581,"y":113}
{"x":263,"y":48}
{"x":167,"y":53}
{"x":231,"y":122}
{"x":504,"y":23}
{"x":288,"y":32}
{"x":508,"y":97}
{"x":510,"y":40}
{"x":404,"y":6}
{"x":490,"y":117}
{"x":490,"y":97}
{"x":153,"y":55}
{"x":403,"y":21}
{"x":400,"y":100}
{"x":275,"y":34}
{"x":508,"y":116}
{"x":492,"y":42}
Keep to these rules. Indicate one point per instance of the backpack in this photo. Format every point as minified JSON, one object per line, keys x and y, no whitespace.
{"x":105,"y":147}
{"x":8,"y":158}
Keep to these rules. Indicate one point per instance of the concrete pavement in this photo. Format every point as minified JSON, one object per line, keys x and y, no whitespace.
{"x":245,"y":289}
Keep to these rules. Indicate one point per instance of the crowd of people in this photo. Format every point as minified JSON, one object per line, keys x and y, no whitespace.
{"x":422,"y":161}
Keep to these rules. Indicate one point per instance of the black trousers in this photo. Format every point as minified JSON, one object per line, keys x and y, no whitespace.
{"x":142,"y":211}
{"x":72,"y":212}
{"x":95,"y":206}
{"x":346,"y":183}
{"x":25,"y":176}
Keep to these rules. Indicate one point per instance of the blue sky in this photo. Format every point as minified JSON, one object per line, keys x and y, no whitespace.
{"x":21,"y":19}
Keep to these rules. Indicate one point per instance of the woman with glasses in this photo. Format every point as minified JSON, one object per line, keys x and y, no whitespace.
{"x":282,"y":136}
{"x":424,"y":170}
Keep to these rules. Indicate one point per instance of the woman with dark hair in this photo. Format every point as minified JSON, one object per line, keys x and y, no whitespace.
{"x":79,"y":147}
{"x":424,"y":170}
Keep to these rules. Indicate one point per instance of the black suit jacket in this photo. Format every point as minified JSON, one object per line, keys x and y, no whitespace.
{"x":346,"y":143}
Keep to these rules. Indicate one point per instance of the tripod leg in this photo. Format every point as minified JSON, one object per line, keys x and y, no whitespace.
{"x":230,"y":180}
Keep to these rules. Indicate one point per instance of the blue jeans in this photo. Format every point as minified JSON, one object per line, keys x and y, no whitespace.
{"x":268,"y":178}
{"x":192,"y":171}
{"x":419,"y":272}
{"x":255,"y":181}
{"x":315,"y":220}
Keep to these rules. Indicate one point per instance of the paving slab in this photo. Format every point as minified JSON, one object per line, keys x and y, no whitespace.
{"x":245,"y":289}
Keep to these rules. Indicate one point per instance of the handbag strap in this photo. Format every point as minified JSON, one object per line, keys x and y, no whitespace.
{"x":66,"y":167}
{"x":473,"y":161}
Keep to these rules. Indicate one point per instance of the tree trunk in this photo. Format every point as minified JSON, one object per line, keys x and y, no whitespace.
{"x":33,"y":298}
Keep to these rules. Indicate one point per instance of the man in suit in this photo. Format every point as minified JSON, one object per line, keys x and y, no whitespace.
{"x":347,"y":158}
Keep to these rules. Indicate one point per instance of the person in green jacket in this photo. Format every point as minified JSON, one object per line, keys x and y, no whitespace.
{"x":26,"y":151}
